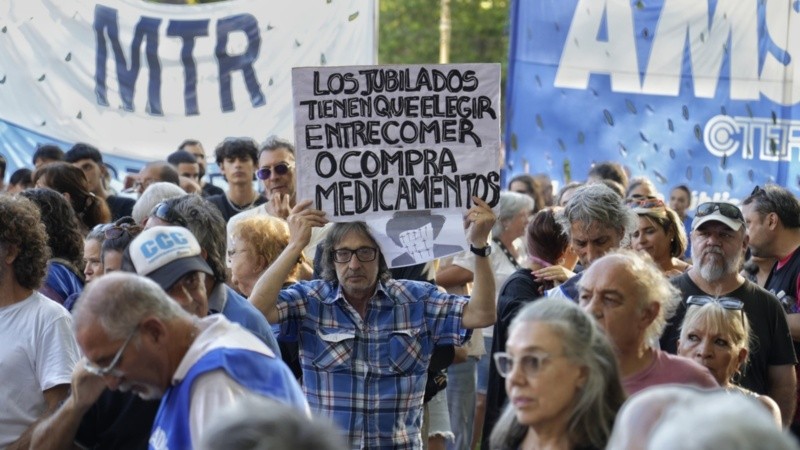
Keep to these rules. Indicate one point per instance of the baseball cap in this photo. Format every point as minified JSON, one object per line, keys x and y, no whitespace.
{"x":165,"y":254}
{"x":727,"y":213}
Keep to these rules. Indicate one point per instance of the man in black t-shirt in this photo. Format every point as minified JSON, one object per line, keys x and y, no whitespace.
{"x":718,"y":244}
{"x":772,"y":216}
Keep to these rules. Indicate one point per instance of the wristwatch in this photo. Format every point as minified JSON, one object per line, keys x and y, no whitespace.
{"x":481,"y":251}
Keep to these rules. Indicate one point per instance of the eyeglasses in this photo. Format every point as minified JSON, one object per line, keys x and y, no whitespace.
{"x":163,"y":211}
{"x":364,"y":254}
{"x":726,"y":209}
{"x":115,"y":231}
{"x":636,"y":197}
{"x":265,"y":173}
{"x":531,"y":364}
{"x":729,"y":303}
{"x":233,"y":252}
{"x":111,"y":368}
{"x":645,"y":204}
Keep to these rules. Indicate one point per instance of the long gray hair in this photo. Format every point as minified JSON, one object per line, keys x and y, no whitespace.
{"x":597,"y":403}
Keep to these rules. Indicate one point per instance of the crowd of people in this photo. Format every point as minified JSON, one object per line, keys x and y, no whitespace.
{"x":184,"y":315}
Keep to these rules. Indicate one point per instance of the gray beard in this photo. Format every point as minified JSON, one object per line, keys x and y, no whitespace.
{"x":714,"y":269}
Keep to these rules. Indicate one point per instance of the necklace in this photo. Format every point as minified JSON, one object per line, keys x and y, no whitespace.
{"x":241,"y":208}
{"x":508,"y":254}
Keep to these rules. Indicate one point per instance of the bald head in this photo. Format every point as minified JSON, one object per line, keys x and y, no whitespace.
{"x":119,"y":301}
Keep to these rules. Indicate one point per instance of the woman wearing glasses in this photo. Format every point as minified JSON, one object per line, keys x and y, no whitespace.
{"x":255,"y":243}
{"x":716,"y":334}
{"x":660,"y":234}
{"x":562,"y":381}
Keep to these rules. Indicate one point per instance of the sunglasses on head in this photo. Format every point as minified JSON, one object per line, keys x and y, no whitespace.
{"x":115,"y":231}
{"x":726,"y":209}
{"x":163,"y":211}
{"x":645,"y":204}
{"x":730,"y":303}
{"x":265,"y":173}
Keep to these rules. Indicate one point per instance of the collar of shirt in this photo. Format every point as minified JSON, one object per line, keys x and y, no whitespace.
{"x":379,"y":289}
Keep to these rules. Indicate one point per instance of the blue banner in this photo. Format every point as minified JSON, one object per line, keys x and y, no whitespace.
{"x":701,"y":93}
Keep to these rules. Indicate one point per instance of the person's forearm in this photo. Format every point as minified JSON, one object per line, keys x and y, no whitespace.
{"x":57,"y":431}
{"x":265,"y":292}
{"x":794,"y":326}
{"x":453,"y":275}
{"x":783,"y":389}
{"x":481,"y":310}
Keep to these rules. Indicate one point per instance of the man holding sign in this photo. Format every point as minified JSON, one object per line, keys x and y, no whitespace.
{"x":366,"y":339}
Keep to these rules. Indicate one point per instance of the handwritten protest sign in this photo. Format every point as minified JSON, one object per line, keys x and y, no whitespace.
{"x":376,"y":141}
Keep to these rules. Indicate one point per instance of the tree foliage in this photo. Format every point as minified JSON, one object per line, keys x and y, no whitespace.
{"x":409,"y":31}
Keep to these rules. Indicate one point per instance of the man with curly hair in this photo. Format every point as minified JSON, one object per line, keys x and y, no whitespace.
{"x":38,"y":351}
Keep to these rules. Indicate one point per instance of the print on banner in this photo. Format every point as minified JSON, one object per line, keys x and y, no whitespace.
{"x":375,"y":140}
{"x":702,"y":93}
{"x":106,"y":28}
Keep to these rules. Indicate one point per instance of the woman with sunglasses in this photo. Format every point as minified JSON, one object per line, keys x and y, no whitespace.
{"x":660,"y":234}
{"x":716,"y":334}
{"x":562,"y":380}
{"x":118,"y":236}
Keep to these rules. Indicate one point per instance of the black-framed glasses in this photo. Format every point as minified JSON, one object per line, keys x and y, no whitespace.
{"x":110,"y":369}
{"x":163,"y":211}
{"x":364,"y":254}
{"x":729,"y":303}
{"x":115,"y":231}
{"x":726,"y":209}
{"x":265,"y":173}
{"x":530,"y":364}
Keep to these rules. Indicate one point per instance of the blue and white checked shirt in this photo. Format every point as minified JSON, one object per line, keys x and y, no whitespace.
{"x":369,"y":375}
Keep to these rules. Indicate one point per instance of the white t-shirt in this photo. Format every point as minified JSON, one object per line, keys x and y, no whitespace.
{"x":37,"y":352}
{"x":501,"y":267}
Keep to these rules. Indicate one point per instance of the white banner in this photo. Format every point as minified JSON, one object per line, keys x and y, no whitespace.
{"x":402,"y":147}
{"x":137,"y":78}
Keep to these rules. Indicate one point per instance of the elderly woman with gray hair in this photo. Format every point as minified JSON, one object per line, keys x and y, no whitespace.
{"x":562,"y":381}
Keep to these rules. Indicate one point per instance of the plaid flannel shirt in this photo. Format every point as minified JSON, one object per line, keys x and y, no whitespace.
{"x":369,"y":375}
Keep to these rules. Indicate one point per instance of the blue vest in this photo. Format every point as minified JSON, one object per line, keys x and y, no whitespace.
{"x":257,"y":372}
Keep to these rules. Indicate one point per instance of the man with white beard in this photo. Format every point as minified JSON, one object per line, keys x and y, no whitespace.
{"x":719,"y":241}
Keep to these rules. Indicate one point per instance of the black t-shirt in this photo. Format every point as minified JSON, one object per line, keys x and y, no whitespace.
{"x":227,"y":209}
{"x":770,"y":342}
{"x":118,"y":421}
{"x":519,"y":289}
{"x":119,"y":206}
{"x":210,"y":189}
